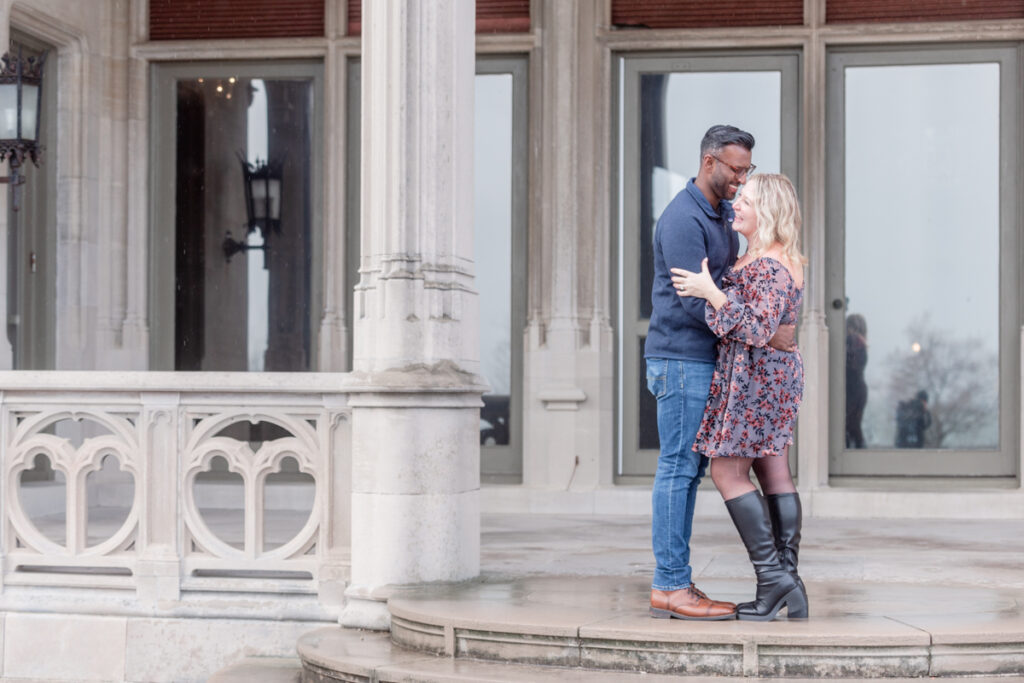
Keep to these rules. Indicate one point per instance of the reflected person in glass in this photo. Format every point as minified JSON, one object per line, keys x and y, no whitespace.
{"x":913,"y":418}
{"x":756,"y":390}
{"x":680,"y":352}
{"x":856,"y":387}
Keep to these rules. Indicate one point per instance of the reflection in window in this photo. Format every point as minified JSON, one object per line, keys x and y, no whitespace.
{"x":922,"y":203}
{"x":676,"y":109}
{"x":257,"y":266}
{"x":492,"y":251}
{"x":32,"y":233}
{"x":249,"y":311}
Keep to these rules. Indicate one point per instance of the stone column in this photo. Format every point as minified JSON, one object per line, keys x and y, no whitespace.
{"x":569,"y":382}
{"x":416,"y":390}
{"x":813,"y":427}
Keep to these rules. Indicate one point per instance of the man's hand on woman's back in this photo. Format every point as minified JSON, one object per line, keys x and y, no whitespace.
{"x":784,"y":339}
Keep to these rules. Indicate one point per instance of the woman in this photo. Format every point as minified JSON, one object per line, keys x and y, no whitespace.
{"x":756,"y":389}
{"x":856,"y":387}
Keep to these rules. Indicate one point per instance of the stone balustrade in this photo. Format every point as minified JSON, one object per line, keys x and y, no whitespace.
{"x":161,"y":482}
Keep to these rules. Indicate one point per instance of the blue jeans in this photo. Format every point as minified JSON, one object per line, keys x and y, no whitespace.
{"x":681,"y":388}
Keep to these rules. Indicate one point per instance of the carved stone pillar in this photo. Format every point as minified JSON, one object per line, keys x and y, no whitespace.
{"x":812,"y":435}
{"x":569,"y":383}
{"x":415,"y":410}
{"x":158,"y":568}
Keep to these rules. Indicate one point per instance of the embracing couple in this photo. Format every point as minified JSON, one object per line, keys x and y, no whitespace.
{"x":722,"y":363}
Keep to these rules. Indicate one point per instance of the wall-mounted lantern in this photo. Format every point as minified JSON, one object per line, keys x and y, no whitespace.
{"x":21,"y":93}
{"x":262,"y":182}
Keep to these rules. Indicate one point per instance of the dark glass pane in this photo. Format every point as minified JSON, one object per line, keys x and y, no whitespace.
{"x":652,"y":156}
{"x":648,"y":423}
{"x":248,"y":309}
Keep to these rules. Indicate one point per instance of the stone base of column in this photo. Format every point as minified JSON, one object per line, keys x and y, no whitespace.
{"x":415,"y":484}
{"x":334,"y":575}
{"x":419,"y":538}
{"x":363,"y":611}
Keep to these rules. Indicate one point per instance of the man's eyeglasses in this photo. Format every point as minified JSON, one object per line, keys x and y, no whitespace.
{"x":748,"y":171}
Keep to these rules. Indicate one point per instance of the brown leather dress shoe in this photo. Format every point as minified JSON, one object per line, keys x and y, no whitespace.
{"x":730,"y":605}
{"x":689,"y":603}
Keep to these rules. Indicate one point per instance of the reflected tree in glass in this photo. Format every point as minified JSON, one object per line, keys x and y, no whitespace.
{"x":950,"y":378}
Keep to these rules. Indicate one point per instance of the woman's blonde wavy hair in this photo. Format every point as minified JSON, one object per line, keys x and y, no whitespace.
{"x":774,"y":200}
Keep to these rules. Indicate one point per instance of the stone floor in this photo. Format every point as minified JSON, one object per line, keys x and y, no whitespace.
{"x":923,"y":552}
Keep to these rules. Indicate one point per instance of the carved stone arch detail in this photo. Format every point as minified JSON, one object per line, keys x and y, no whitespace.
{"x":29,"y":441}
{"x":203,"y":444}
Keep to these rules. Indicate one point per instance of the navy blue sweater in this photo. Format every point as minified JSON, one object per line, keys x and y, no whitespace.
{"x":688,"y":230}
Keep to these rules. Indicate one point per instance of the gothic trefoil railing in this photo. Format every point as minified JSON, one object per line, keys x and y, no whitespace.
{"x":173,"y":482}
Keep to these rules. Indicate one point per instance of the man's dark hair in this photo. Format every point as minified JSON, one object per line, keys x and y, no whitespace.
{"x":718,"y":137}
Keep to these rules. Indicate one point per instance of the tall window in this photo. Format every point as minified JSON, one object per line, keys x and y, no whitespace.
{"x":499,"y":247}
{"x":236,"y":281}
{"x":922,"y":207}
{"x":667,"y":103}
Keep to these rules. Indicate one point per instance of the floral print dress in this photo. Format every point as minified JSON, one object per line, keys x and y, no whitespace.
{"x":756,"y":390}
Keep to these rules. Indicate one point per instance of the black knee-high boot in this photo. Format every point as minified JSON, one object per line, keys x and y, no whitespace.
{"x":787,"y":518}
{"x":776,"y":587}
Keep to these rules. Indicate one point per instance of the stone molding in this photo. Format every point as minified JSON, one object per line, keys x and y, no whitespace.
{"x":561,"y":398}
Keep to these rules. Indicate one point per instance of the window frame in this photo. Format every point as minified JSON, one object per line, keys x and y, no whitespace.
{"x":504,"y":464}
{"x":32,"y":248}
{"x":1003,"y":461}
{"x":632,"y":464}
{"x":163,"y":108}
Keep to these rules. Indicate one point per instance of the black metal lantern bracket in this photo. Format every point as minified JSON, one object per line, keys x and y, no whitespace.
{"x":262,"y":182}
{"x":19,"y":133}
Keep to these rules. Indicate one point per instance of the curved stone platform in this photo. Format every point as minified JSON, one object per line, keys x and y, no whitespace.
{"x":856,"y":630}
{"x":564,"y":598}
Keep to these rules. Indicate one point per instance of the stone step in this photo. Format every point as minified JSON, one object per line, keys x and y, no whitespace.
{"x":330,"y":655}
{"x":601,"y":623}
{"x":334,"y":654}
{"x":261,"y":670}
{"x":855,"y":630}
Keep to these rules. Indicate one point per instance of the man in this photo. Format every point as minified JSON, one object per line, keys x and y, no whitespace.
{"x":680,"y":352}
{"x":912,"y":421}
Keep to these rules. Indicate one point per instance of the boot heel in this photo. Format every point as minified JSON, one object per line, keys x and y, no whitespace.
{"x":796,"y":604}
{"x":660,"y":613}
